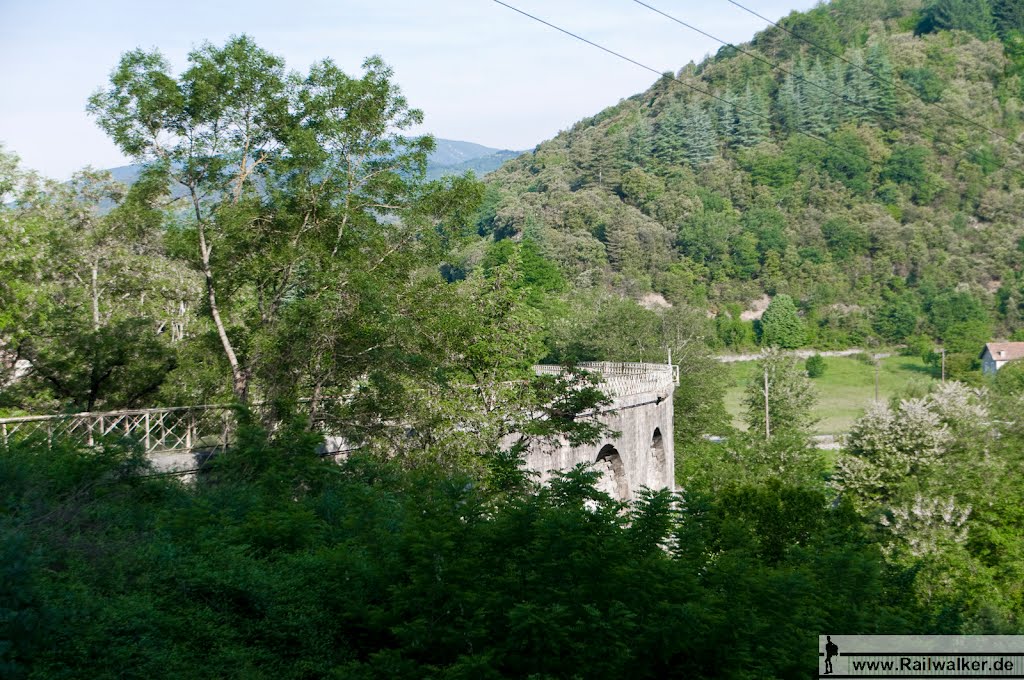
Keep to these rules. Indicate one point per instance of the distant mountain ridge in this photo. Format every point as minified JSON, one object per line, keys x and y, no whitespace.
{"x":450,"y":157}
{"x":453,"y":152}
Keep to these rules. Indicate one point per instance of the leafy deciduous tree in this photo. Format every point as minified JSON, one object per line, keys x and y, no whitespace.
{"x":302,"y":193}
{"x":779,"y":379}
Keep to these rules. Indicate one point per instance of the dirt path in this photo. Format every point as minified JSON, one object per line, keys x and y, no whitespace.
{"x":826,"y":442}
{"x":802,"y":354}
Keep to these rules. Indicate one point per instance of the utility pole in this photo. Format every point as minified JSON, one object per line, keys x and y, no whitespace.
{"x":876,"y":380}
{"x":767,"y":416}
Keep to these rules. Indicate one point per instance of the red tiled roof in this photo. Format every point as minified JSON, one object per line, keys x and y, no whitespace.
{"x":1010,"y":350}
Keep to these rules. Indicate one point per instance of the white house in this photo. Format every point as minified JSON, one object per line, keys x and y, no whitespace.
{"x":996,"y":354}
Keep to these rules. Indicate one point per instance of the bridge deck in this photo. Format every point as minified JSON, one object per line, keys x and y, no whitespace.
{"x":184,"y":429}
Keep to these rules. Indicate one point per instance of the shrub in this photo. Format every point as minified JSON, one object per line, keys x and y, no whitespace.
{"x":1009,"y":380}
{"x":918,"y":346}
{"x":815,"y":366}
{"x":864,"y":358}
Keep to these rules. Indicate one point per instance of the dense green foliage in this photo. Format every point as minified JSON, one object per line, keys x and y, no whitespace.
{"x":279,"y":564}
{"x":937,"y":474}
{"x":291,"y":565}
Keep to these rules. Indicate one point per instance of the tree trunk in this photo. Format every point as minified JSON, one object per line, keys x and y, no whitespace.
{"x":239,"y":376}
{"x":95,"y":297}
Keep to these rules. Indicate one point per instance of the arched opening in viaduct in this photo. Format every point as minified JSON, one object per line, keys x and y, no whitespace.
{"x":658,"y":449}
{"x":613,"y":479}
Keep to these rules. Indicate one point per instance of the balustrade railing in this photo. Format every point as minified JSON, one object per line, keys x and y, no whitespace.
{"x":620,"y":379}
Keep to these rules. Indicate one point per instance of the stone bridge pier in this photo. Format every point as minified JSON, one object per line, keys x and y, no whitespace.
{"x":640,"y":452}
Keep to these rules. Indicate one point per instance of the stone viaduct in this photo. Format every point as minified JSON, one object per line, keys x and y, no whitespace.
{"x":639,"y":452}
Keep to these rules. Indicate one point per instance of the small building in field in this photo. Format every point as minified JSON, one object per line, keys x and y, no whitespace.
{"x":996,"y":354}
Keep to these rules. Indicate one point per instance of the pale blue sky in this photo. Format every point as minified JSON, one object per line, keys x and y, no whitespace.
{"x":479,"y":71}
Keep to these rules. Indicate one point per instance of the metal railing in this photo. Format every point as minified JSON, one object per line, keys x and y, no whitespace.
{"x":157,"y":430}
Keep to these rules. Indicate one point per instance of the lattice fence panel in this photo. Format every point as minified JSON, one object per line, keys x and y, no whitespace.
{"x":156,"y":430}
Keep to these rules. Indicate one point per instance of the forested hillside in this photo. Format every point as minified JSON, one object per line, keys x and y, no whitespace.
{"x":863,"y":159}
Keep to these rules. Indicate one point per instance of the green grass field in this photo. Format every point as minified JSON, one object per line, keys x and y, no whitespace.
{"x":844,"y":391}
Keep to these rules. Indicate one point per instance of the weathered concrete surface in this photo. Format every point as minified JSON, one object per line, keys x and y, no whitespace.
{"x":641,"y":455}
{"x":176,"y":461}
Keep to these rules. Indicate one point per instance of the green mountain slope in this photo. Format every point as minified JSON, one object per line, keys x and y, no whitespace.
{"x":874,"y":202}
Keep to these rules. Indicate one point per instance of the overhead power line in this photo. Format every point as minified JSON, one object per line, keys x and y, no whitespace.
{"x":579,"y":37}
{"x":878,"y":77}
{"x":690,"y":86}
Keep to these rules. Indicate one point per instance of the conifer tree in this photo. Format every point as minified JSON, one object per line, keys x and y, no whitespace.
{"x":840,"y":101}
{"x":858,"y":88}
{"x":973,"y":16}
{"x":790,"y":103}
{"x":638,"y":142}
{"x":725,"y":109}
{"x":816,"y":100}
{"x":685,"y":134}
{"x":623,"y":245}
{"x":781,"y":326}
{"x":700,"y":140}
{"x":669,"y":134}
{"x":882,"y":97}
{"x":752,"y":117}
{"x":1009,"y":16}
